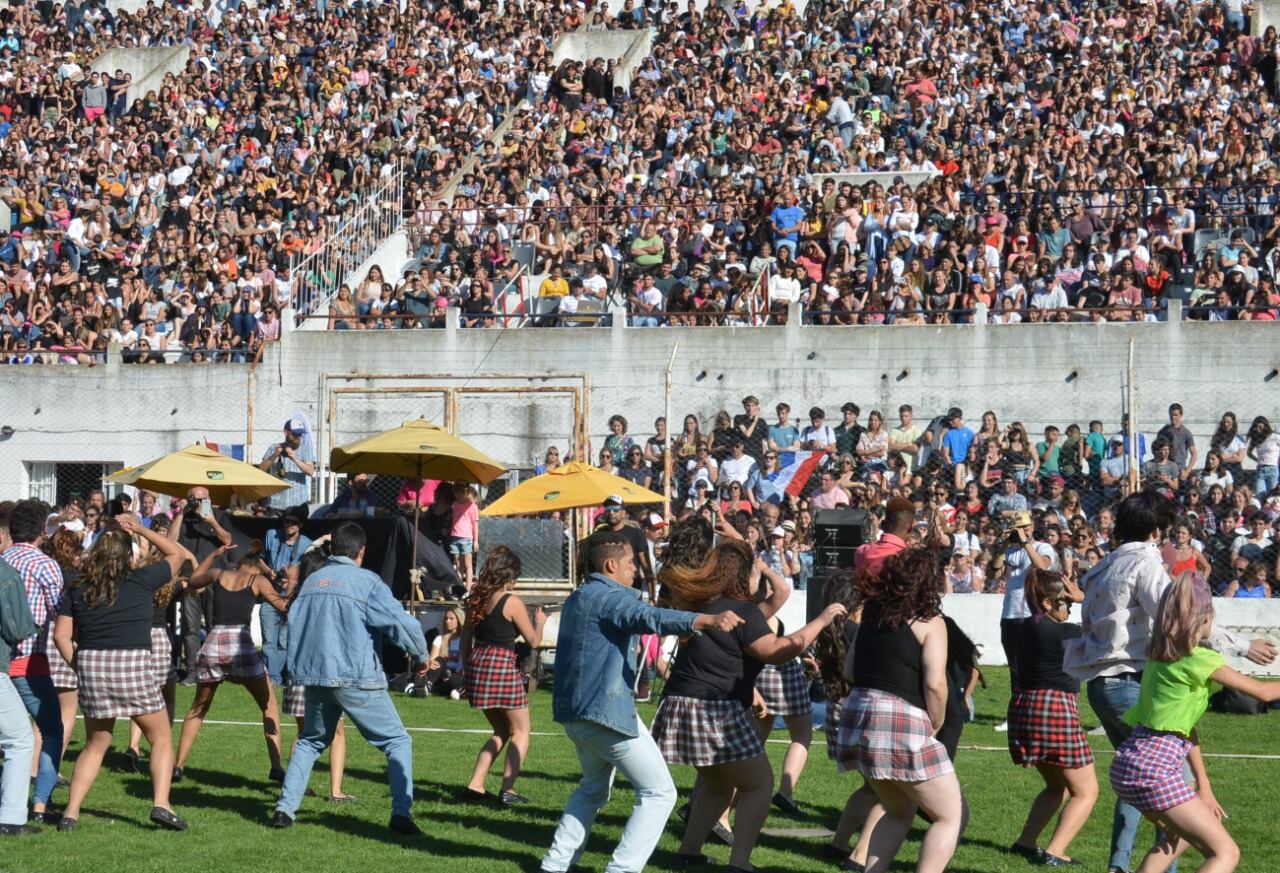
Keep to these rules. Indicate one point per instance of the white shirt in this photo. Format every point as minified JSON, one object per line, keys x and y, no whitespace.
{"x":1019,"y":564}
{"x":1121,"y":597}
{"x":737,"y":469}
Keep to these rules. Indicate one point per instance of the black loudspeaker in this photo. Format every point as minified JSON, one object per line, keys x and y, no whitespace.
{"x":837,"y":533}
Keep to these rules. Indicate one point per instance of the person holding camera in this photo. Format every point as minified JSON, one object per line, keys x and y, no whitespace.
{"x":199,"y":528}
{"x":282,"y":548}
{"x":292,"y":460}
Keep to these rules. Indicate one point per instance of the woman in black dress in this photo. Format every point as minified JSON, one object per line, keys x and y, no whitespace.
{"x":108,"y":613}
{"x":704,"y":718}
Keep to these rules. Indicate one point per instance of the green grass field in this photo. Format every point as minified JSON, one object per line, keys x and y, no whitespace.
{"x":227,"y":798}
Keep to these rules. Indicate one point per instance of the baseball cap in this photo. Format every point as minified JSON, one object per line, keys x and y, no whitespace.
{"x":1057,"y":480}
{"x":295,"y":425}
{"x":656,"y":520}
{"x":777,"y":532}
{"x":613,"y":501}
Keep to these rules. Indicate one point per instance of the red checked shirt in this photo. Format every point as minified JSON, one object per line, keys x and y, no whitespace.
{"x":43,"y":580}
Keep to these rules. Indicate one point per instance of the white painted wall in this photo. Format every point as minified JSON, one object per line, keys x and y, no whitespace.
{"x":628,"y":47}
{"x":148,"y":66}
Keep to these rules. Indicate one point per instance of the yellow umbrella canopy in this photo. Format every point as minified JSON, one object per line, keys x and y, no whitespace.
{"x":196,"y":465}
{"x":570,"y":486}
{"x":417,"y":450}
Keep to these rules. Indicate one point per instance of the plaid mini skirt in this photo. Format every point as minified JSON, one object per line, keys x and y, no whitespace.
{"x":166,"y":672}
{"x":1044,"y":728}
{"x":785,"y":689}
{"x":228,"y":653}
{"x":64,"y":678}
{"x":117,"y":683}
{"x":494,"y":680}
{"x":703,"y":733}
{"x":1147,"y":772}
{"x":295,"y":701}
{"x":884,"y":737}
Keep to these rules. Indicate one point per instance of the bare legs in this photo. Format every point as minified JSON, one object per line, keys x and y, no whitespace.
{"x":135,"y":733}
{"x":941,"y":800}
{"x":155,"y":725}
{"x":1191,"y":824}
{"x":861,"y":813}
{"x":800,"y":729}
{"x":752,"y":780}
{"x":260,"y":688}
{"x":510,"y":729}
{"x":337,"y":756}
{"x":1079,"y":788}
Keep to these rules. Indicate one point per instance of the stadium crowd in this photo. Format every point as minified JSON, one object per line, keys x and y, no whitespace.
{"x":170,"y":222}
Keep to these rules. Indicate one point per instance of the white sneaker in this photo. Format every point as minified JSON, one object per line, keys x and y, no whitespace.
{"x":1099,"y":731}
{"x":455,"y":695}
{"x":1003,"y":727}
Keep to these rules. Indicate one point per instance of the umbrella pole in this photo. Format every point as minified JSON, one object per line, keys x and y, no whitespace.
{"x":413,"y":564}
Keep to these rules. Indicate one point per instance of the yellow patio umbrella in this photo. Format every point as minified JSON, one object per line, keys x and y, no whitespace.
{"x":417,"y":450}
{"x":570,"y":486}
{"x":177,"y":473}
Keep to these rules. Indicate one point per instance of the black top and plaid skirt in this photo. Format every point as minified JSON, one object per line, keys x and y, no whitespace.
{"x":228,"y":651}
{"x":494,"y":678}
{"x":1044,"y":720}
{"x":704,"y":717}
{"x":113,"y":654}
{"x":885,"y":729}
{"x":784,"y":687}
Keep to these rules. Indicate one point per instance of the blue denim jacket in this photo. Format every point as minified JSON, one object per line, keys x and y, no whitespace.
{"x":596,"y":652}
{"x":337,"y":625}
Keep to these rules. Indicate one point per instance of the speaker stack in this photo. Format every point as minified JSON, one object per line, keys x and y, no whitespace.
{"x":837,"y":535}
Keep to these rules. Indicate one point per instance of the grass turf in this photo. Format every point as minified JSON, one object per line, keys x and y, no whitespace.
{"x":226,"y":798}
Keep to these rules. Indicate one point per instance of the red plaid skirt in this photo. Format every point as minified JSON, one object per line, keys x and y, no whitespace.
{"x":784,"y":689}
{"x":1044,"y":728}
{"x":117,"y":683}
{"x":884,"y":737}
{"x":228,"y":653}
{"x":704,"y":733}
{"x":494,"y":680}
{"x":162,"y":665}
{"x":64,"y":678}
{"x":1148,"y":770}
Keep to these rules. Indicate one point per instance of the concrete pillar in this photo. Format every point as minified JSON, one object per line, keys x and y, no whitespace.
{"x":980,"y":315}
{"x":288,"y":321}
{"x":452,"y":319}
{"x":1173,"y":310}
{"x":115,"y":357}
{"x":795,"y":320}
{"x":1265,"y":13}
{"x":618,"y":314}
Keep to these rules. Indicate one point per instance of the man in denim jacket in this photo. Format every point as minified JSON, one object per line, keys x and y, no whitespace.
{"x":337,"y":625}
{"x":16,"y":737}
{"x":595,"y":675}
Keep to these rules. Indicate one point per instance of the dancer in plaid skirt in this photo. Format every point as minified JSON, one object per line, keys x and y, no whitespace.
{"x":164,"y":608}
{"x":704,"y":718}
{"x":1044,"y":722}
{"x":1148,"y":769}
{"x":495,"y":684}
{"x":784,"y":689}
{"x":109,"y":612}
{"x":228,"y":653}
{"x":66,"y":547}
{"x":897,"y":705}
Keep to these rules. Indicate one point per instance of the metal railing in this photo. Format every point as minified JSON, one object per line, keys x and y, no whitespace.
{"x":317,"y":276}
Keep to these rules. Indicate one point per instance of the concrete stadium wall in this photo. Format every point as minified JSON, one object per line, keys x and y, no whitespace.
{"x":628,"y":47}
{"x":1037,"y":374}
{"x":148,"y":66}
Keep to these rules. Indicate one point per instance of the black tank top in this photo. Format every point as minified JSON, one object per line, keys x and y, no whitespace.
{"x":888,"y":660}
{"x":495,"y":629}
{"x":232,"y":607}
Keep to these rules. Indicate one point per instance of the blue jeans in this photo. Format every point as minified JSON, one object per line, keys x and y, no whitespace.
{"x":275,"y":642}
{"x":1268,"y":476}
{"x":41,"y":700}
{"x":375,"y":716}
{"x":1111,"y":698}
{"x":602,"y":752}
{"x":18,"y":743}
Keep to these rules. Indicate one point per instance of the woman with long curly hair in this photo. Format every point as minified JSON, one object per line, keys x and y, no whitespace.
{"x":65,"y":547}
{"x":704,"y":718}
{"x":1044,"y":723}
{"x":495,"y":684}
{"x":897,"y":706}
{"x":108,"y":613}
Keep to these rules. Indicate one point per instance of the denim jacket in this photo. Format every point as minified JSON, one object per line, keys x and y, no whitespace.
{"x":15,"y":616}
{"x":337,"y":625}
{"x":596,"y":652}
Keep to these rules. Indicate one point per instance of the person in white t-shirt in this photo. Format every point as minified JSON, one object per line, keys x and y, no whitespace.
{"x":739,"y":466}
{"x":818,"y":436}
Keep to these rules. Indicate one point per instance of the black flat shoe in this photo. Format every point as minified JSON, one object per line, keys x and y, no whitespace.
{"x":830,"y":851}
{"x":1047,"y":860}
{"x":466,"y":795}
{"x":177,"y":775}
{"x":402,"y":824}
{"x":682,"y":860}
{"x":1030,"y":853}
{"x":721,"y":830}
{"x":683,"y":812}
{"x":62,"y":782}
{"x":342,"y":799}
{"x":786,"y":805}
{"x":276,"y":775}
{"x":14,"y":830}
{"x":132,"y":761}
{"x":68,"y":824}
{"x":852,"y":866}
{"x":280,"y":820}
{"x":167,"y":819}
{"x":511,"y":798}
